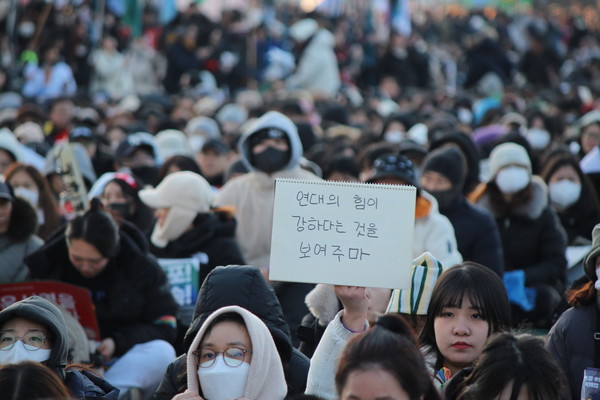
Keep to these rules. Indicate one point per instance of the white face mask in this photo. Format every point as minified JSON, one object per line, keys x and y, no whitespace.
{"x":222,"y":382}
{"x":510,"y":180}
{"x":465,"y":116}
{"x":538,"y":138}
{"x":597,"y":283}
{"x":564,"y":193}
{"x":23,"y":352}
{"x":32,"y":196}
{"x":393,"y":136}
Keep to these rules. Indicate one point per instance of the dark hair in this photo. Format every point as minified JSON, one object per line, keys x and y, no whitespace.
{"x":503,"y":207}
{"x":47,"y":203}
{"x":184,"y":163}
{"x":97,"y":228}
{"x":482,"y":287}
{"x":343,"y":164}
{"x":30,"y":380}
{"x":390,"y":346}
{"x":142,"y":216}
{"x":521,"y":359}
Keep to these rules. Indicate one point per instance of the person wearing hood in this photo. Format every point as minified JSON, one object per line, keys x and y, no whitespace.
{"x":270,"y":149}
{"x":572,"y":338}
{"x":478,"y":239}
{"x":433,"y":232}
{"x":533,"y":240}
{"x":18,"y":223}
{"x":134,"y":306}
{"x":34,"y":329}
{"x":317,"y":68}
{"x":242,"y":286}
{"x":186,"y":226}
{"x":138,"y":154}
{"x":233,"y":356}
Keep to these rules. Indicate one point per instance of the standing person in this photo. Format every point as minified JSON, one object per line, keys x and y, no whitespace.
{"x":135,"y":309}
{"x":18,"y":223}
{"x":233,"y":356}
{"x":572,"y":339}
{"x":112,"y":75}
{"x":270,"y":149}
{"x":317,"y":69}
{"x":243,"y":286}
{"x":186,"y":226}
{"x":532,"y":238}
{"x":443,"y":176}
{"x":34,"y":329}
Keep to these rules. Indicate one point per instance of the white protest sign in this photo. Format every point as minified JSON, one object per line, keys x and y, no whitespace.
{"x":341,"y":233}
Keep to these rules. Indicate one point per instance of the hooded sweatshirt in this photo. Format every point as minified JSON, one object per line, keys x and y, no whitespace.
{"x":81,"y":384}
{"x":265,"y":378}
{"x":253,"y":194}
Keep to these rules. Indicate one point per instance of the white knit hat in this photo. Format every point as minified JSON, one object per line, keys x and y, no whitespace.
{"x":508,"y":154}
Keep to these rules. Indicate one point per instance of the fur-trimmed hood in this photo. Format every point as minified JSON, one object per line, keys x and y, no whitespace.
{"x":23,"y":221}
{"x":532,"y":210}
{"x":323,"y":303}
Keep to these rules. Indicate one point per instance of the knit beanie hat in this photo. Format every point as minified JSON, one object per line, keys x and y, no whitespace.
{"x":425,"y":271}
{"x":394,"y":166}
{"x":507,"y":154}
{"x":589,"y":261}
{"x":449,"y":162}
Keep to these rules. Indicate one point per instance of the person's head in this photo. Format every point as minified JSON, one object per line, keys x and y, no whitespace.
{"x":369,"y":154}
{"x":271,"y":144}
{"x":443,"y":175}
{"x":510,"y":168}
{"x":177,"y":163}
{"x":233,"y":355}
{"x":30,"y":380}
{"x":342,"y":168}
{"x":177,"y":201}
{"x":120,"y":198}
{"x":138,"y":153}
{"x":394,"y":169}
{"x":468,"y":304}
{"x":92,"y":240}
{"x":589,"y":131}
{"x":10,"y":150}
{"x":384,"y":362}
{"x":566,"y":181}
{"x":213,"y":158}
{"x":34,"y":329}
{"x":515,"y":368}
{"x":84,"y":135}
{"x":62,"y":112}
{"x":29,"y":184}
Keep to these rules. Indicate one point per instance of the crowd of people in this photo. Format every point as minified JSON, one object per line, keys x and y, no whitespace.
{"x":134,"y":135}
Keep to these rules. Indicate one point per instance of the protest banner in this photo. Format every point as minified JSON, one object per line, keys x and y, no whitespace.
{"x":75,"y":300}
{"x":340,"y":233}
{"x":183,"y":275}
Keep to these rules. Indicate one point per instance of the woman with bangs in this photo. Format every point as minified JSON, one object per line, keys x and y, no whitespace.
{"x":468,"y":304}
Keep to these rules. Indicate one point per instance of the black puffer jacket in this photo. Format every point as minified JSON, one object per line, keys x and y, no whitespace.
{"x":132,"y":296}
{"x":243,"y":286}
{"x":212,"y":238}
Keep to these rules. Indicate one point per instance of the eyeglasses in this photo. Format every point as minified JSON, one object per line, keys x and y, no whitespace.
{"x":233,"y":356}
{"x":33,"y":339}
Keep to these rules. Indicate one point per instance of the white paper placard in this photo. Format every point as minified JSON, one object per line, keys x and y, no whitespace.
{"x":341,"y":233}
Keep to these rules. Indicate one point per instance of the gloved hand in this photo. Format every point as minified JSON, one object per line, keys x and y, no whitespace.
{"x":518,"y":294}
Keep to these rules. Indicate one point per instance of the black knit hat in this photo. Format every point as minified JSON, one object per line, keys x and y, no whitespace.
{"x":449,"y":162}
{"x":394,"y":166}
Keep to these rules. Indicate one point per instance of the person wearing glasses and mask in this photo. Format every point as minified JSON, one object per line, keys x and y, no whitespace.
{"x":233,"y":356}
{"x":34,"y":329}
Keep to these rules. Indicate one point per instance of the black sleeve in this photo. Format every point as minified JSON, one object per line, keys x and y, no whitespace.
{"x":174,"y":380}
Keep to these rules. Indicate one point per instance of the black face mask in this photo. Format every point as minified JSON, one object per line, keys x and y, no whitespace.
{"x":123,"y":209}
{"x":270,"y":160}
{"x":445,"y":198}
{"x":147,"y":174}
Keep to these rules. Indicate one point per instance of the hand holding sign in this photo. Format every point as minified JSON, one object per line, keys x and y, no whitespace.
{"x":342,"y":233}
